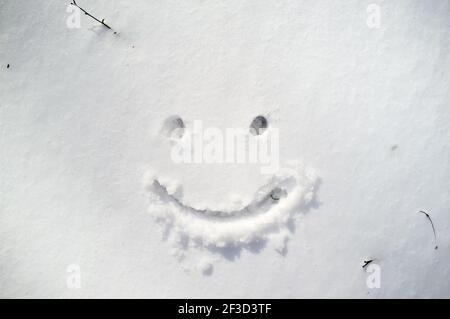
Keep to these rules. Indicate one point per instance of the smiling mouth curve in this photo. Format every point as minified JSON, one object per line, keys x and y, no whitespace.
{"x":264,"y":200}
{"x":286,"y":194}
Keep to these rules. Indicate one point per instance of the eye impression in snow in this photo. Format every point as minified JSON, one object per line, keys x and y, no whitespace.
{"x":173,"y":127}
{"x":288,"y":190}
{"x":258,"y":125}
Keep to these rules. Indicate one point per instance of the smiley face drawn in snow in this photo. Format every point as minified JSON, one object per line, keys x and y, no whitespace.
{"x":243,"y":196}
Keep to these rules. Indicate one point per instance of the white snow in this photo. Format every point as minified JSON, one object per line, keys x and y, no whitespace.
{"x":254,"y":223}
{"x":83,"y":120}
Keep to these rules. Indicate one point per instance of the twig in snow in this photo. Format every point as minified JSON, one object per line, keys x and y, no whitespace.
{"x":367,"y":262}
{"x":74,"y":3}
{"x":274,"y":198}
{"x":432,"y":225}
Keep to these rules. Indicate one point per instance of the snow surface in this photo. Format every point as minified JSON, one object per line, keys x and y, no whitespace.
{"x":365,"y":110}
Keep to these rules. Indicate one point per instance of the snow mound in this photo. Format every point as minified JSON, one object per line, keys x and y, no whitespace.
{"x":268,"y":216}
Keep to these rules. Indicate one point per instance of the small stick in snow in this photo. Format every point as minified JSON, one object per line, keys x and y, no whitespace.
{"x":88,"y":14}
{"x":367,"y":262}
{"x":274,"y":198}
{"x":432,"y":225}
{"x":7,"y":66}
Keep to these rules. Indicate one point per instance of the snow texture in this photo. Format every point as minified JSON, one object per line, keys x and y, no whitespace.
{"x":359,"y":91}
{"x":255,"y":223}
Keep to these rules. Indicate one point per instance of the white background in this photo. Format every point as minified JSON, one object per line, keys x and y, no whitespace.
{"x":367,"y":108}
